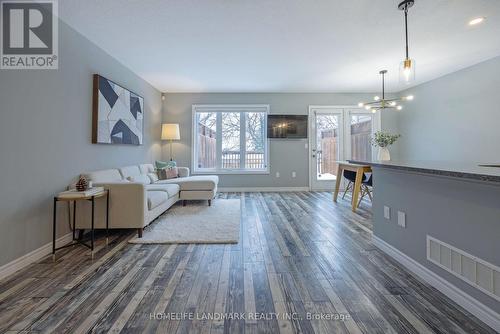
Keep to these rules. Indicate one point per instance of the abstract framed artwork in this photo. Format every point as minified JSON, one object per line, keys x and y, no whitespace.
{"x":117,"y":114}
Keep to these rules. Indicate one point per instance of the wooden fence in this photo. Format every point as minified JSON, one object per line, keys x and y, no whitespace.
{"x":253,"y":160}
{"x":327,"y":156}
{"x":361,"y":134}
{"x":207,"y":155}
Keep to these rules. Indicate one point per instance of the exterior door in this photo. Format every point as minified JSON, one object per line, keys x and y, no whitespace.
{"x":326,"y":146}
{"x":338,"y":134}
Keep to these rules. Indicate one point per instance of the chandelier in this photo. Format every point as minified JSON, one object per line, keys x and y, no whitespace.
{"x":380,"y":103}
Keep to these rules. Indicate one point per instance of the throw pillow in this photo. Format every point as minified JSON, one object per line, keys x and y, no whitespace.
{"x":144,"y":179}
{"x":172,"y":173}
{"x":165,"y":164}
{"x":168,"y":173}
{"x":153,"y":177}
{"x":162,"y":174}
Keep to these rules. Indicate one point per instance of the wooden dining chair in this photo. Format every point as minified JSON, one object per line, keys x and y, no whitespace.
{"x":351,"y":177}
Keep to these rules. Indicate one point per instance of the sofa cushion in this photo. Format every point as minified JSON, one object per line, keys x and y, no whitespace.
{"x":156,"y":198}
{"x":170,"y":189}
{"x":130,"y":171}
{"x":200,"y":182}
{"x":153,"y":177}
{"x":146,"y":168}
{"x":183,"y":171}
{"x":103,"y":176}
{"x":144,"y":179}
{"x":197,"y":194}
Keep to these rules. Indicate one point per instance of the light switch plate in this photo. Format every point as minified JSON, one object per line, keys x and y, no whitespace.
{"x":294,"y":174}
{"x":402,"y":219}
{"x":277,"y":174}
{"x":387,"y":212}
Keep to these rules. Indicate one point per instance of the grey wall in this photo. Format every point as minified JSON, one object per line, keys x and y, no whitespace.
{"x":45,"y":138}
{"x":461,"y":213}
{"x":285,"y":155}
{"x":455,"y":117}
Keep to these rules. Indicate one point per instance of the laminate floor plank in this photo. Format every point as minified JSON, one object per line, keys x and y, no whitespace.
{"x":178,"y":300}
{"x":304,"y":264}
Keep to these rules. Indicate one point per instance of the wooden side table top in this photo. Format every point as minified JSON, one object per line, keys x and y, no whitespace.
{"x":74,"y":199}
{"x":80,"y":198}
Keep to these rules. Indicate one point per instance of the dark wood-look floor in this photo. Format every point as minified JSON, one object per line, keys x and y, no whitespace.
{"x":299,"y":254}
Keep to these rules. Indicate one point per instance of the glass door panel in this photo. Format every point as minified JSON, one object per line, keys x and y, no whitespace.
{"x":326,"y":147}
{"x":361,"y":130}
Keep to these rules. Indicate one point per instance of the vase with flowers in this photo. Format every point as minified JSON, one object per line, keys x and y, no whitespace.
{"x":383,"y":140}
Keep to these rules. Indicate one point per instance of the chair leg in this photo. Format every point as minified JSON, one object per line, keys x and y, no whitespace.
{"x":369,"y":194}
{"x":139,"y":232}
{"x":363,"y":193}
{"x":365,"y":190}
{"x":349,"y":185}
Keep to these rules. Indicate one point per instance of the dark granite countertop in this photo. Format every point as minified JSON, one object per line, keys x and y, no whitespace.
{"x":473,"y":171}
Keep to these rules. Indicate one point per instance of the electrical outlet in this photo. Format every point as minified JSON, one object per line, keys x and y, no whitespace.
{"x":387,"y":212}
{"x":294,"y":174}
{"x":402,"y":219}
{"x":277,"y":174}
{"x":306,"y":145}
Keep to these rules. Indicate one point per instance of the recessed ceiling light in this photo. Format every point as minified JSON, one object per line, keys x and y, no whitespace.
{"x":475,"y":21}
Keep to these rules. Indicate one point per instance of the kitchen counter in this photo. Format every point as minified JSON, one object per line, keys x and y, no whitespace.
{"x":472,"y":171}
{"x":442,"y":221}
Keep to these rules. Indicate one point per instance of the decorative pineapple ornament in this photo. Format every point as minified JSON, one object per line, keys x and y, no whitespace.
{"x":82,"y":184}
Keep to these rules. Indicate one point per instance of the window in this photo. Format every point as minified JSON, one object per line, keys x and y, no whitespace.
{"x":230,"y":139}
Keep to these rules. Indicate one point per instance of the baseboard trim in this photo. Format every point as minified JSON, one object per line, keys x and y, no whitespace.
{"x":261,"y":189}
{"x":472,"y":305}
{"x":33,"y":256}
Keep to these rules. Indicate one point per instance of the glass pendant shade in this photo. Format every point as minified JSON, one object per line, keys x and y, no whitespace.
{"x":407,"y":71}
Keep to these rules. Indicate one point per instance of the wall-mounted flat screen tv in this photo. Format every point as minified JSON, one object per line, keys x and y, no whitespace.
{"x":287,"y":126}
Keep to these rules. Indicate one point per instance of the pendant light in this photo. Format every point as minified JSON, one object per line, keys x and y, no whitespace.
{"x":407,"y":66}
{"x":381,"y":103}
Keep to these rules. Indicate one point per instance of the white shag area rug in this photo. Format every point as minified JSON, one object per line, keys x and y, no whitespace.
{"x":195,"y":223}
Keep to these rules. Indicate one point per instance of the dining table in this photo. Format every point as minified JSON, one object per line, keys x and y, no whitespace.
{"x":359,"y":169}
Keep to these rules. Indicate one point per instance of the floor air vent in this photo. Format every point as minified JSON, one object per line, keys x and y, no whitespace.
{"x":478,"y":273}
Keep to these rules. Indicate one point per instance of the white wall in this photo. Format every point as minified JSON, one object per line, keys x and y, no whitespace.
{"x":285,"y":155}
{"x":455,"y":117}
{"x":45,"y":138}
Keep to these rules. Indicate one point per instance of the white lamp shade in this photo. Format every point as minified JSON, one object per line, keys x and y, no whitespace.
{"x":170,"y":132}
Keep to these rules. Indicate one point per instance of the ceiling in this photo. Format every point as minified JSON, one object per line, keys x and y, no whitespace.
{"x":285,"y":45}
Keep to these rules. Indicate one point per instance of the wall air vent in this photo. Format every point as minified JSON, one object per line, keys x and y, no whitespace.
{"x":471,"y":269}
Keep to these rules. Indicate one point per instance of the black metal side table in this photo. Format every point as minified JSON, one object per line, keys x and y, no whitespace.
{"x":75,"y":240}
